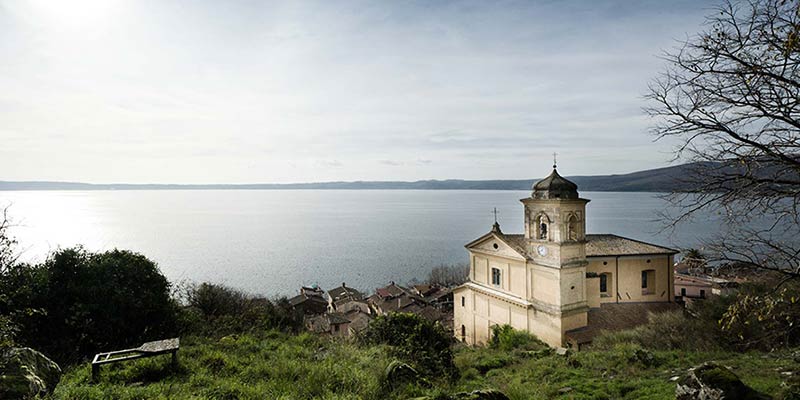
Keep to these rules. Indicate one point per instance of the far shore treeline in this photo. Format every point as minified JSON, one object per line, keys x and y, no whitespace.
{"x":654,"y":180}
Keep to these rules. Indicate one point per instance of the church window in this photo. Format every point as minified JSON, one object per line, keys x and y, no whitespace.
{"x":644,"y":279}
{"x":463,"y":333}
{"x":572,"y":228}
{"x":496,"y":276}
{"x":603,"y":283}
{"x":463,"y":301}
{"x":648,"y":281}
{"x":702,"y":294}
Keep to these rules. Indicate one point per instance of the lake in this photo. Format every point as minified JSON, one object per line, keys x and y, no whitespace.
{"x":272,"y":241}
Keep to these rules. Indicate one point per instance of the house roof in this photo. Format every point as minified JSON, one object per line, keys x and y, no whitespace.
{"x":392,"y":290}
{"x":302,"y":298}
{"x":597,"y":245}
{"x":343,"y":291}
{"x":336,"y":318}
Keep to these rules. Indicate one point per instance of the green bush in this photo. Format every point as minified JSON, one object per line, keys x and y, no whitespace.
{"x":424,"y":344}
{"x":218,"y":310}
{"x":764,"y":316}
{"x":88,"y":302}
{"x":506,"y":338}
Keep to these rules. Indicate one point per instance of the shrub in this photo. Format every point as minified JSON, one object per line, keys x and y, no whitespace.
{"x":218,"y":310}
{"x":506,"y":338}
{"x":764,"y":317}
{"x":422,"y":343}
{"x":88,"y":302}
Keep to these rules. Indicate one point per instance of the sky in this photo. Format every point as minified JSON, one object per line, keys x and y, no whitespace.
{"x":234,"y":91}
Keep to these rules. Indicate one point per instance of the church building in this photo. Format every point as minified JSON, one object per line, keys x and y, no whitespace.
{"x":555,"y":280}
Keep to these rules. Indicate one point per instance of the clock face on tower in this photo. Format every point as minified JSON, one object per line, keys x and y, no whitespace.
{"x":542,"y":250}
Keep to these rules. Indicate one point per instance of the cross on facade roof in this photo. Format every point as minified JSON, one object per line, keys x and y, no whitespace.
{"x":554,"y":159}
{"x":494,"y":211}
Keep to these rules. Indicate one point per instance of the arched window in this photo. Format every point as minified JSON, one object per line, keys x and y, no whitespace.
{"x":572,"y":228}
{"x":542,"y":223}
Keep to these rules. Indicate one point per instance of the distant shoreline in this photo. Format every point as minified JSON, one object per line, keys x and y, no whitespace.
{"x":655,"y":180}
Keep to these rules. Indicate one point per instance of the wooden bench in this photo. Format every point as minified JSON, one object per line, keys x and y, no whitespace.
{"x":148,"y":349}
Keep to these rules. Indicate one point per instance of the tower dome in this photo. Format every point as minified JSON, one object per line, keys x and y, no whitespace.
{"x":555,"y":186}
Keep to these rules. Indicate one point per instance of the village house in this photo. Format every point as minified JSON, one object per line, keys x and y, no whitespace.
{"x":311,"y":300}
{"x":339,"y":312}
{"x":429,"y":302}
{"x":342,"y":295}
{"x":689,"y":286}
{"x":555,"y":280}
{"x":332,"y":324}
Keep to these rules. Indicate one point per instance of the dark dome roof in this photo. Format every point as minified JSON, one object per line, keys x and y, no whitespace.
{"x":555,"y":186}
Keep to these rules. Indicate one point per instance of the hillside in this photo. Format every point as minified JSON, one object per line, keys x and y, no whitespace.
{"x":275,"y":365}
{"x":654,"y":180}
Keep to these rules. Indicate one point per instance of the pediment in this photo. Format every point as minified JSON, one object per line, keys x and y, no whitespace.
{"x":495,"y":245}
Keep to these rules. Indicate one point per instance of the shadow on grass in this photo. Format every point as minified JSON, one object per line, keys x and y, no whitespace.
{"x":143,"y":372}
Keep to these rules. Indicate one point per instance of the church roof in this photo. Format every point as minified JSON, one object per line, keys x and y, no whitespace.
{"x":612,"y":245}
{"x":600,"y":245}
{"x":555,"y":186}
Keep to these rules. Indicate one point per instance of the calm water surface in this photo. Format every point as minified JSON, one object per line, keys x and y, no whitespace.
{"x":271,"y":242}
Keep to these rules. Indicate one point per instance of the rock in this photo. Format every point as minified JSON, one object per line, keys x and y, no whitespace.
{"x":674,"y":378}
{"x":711,"y":381}
{"x":565,"y":390}
{"x":27,"y":373}
{"x":562,"y":351}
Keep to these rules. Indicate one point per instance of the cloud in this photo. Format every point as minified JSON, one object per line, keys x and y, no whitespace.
{"x":243,"y":89}
{"x":392,"y":163}
{"x":331,"y":163}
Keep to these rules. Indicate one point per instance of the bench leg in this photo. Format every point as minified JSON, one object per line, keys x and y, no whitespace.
{"x":175,"y":358}
{"x":95,"y":372}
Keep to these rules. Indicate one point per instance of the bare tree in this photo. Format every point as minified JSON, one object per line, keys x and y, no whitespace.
{"x":448,"y":275}
{"x":730,"y":100}
{"x":7,"y":243}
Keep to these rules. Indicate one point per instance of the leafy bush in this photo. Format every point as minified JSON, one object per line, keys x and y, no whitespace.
{"x":218,"y":310}
{"x":87,"y":302}
{"x":506,"y":338}
{"x":764,"y":317}
{"x":422,"y":343}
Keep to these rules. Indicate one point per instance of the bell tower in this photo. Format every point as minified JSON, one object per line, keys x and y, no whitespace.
{"x":555,"y":223}
{"x":555,"y":237}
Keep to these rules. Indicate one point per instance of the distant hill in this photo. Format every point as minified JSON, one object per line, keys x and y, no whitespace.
{"x":653,"y":180}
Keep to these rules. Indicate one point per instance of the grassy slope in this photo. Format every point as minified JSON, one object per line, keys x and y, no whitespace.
{"x":305,"y":367}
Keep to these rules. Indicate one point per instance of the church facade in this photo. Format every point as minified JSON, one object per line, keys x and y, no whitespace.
{"x":548,"y":279}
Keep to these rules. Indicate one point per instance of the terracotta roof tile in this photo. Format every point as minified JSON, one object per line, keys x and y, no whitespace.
{"x":613,"y":245}
{"x":598,"y":245}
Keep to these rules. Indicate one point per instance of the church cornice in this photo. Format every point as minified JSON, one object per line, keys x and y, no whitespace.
{"x":537,"y":305}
